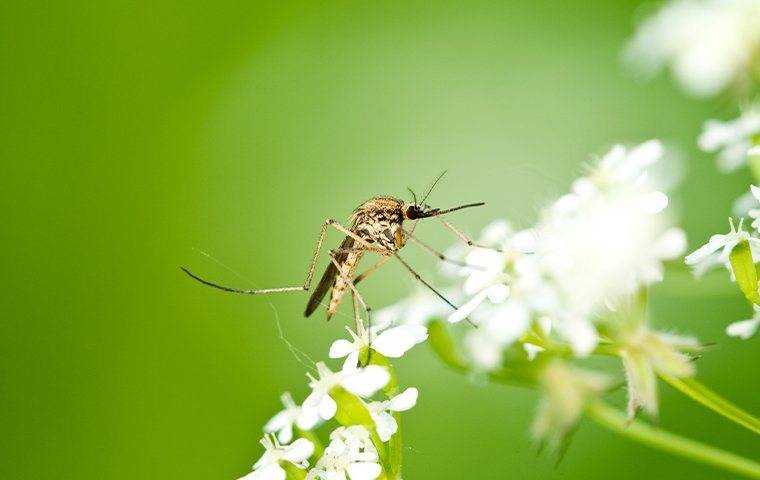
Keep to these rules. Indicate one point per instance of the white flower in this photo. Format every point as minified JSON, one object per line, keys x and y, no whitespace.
{"x":717,"y":250}
{"x":645,"y":353}
{"x":390,"y":342}
{"x":363,"y":382}
{"x":566,"y":392}
{"x":268,"y":466}
{"x":283,"y":421}
{"x":606,"y":239}
{"x":350,"y":453}
{"x":744,"y":329}
{"x":708,"y":44}
{"x":381,"y":412}
{"x":486,"y":277}
{"x":733,"y":139}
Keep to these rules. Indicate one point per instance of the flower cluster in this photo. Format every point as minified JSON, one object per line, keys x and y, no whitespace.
{"x":360,"y":446}
{"x":563,"y":284}
{"x":708,"y":45}
{"x":725,"y":250}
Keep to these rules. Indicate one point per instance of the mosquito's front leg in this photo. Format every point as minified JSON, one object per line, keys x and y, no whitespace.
{"x":381,"y":261}
{"x":463,"y":237}
{"x":436,"y":253}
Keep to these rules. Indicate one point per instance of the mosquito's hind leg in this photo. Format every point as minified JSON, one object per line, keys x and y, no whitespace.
{"x":312,"y":266}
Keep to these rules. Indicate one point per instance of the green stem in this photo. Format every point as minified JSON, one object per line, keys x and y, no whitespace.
{"x":618,"y":422}
{"x":700,"y":393}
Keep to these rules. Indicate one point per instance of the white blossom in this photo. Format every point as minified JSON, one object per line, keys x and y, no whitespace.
{"x":732,"y":140}
{"x":391,"y":342}
{"x":566,"y":392}
{"x":319,"y":405}
{"x":283,"y":421}
{"x":744,"y":329}
{"x":708,"y":44}
{"x":351,"y":454}
{"x":382,"y":412}
{"x":268,"y":466}
{"x":718,"y":249}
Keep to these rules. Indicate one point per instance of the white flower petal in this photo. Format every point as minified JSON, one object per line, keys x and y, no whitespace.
{"x":404,"y":400}
{"x":367,"y":381}
{"x":340,"y":348}
{"x":465,"y":310}
{"x":327,"y":407}
{"x":363,"y":471}
{"x":743,"y":329}
{"x":272,"y":471}
{"x":299,"y":451}
{"x":716,"y":242}
{"x":385,"y":425}
{"x":394,"y":342}
{"x":277,"y":422}
{"x":308,"y":418}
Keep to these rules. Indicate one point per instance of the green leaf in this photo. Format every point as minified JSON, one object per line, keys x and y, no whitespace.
{"x":744,"y":271}
{"x":292,"y":472}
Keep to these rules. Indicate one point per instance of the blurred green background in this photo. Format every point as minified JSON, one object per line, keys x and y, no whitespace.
{"x":136,"y":135}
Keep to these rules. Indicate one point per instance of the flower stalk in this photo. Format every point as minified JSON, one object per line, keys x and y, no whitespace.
{"x":645,"y":434}
{"x":703,"y":395}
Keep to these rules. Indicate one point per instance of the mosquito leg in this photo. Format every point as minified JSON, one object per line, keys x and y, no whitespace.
{"x":371,"y":269}
{"x":462,"y":236}
{"x":355,"y":292}
{"x":312,"y":266}
{"x":430,"y":287}
{"x":438,"y":254}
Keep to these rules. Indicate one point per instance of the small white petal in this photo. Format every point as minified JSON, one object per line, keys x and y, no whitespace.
{"x":308,"y":418}
{"x":743,"y":329}
{"x":363,"y":471}
{"x":394,"y":342}
{"x":385,"y":425}
{"x":465,"y":310}
{"x":340,"y":348}
{"x":285,"y":434}
{"x":404,"y":400}
{"x":327,"y":407}
{"x":272,"y":471}
{"x":367,"y":381}
{"x":716,"y":242}
{"x":755,"y":190}
{"x":277,"y":422}
{"x":498,"y":293}
{"x":299,"y":451}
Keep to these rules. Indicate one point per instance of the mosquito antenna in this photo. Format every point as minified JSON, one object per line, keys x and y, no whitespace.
{"x":433,"y":185}
{"x":414,"y":195}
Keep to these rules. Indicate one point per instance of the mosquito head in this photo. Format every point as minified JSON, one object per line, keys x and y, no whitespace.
{"x":412,"y":211}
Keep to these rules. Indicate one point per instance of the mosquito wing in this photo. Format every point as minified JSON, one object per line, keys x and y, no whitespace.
{"x":328,"y":278}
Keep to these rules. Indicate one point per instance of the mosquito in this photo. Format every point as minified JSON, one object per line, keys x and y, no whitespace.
{"x":376,"y":226}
